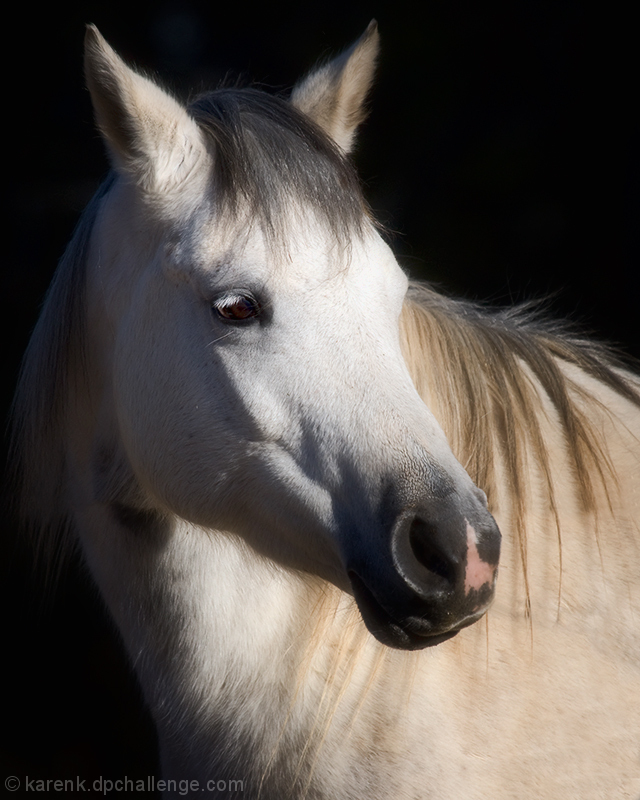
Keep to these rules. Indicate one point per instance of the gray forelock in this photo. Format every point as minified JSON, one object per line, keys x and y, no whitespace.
{"x":268,"y":156}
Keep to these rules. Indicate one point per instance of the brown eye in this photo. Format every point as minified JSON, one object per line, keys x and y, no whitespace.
{"x":237,"y":307}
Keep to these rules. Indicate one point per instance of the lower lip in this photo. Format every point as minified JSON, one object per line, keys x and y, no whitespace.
{"x":387,"y":630}
{"x":407,"y":640}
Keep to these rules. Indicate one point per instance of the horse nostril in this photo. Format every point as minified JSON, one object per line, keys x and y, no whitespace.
{"x":441,"y":578}
{"x":422,"y":540}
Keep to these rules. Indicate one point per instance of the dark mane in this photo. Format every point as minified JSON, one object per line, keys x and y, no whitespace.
{"x":269,"y":154}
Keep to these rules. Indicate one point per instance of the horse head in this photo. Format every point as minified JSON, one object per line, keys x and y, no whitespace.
{"x":246,"y":312}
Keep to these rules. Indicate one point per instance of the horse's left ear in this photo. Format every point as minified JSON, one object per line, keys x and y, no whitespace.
{"x":334,"y":95}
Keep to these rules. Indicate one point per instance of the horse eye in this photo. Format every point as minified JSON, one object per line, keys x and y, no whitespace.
{"x":237,"y":307}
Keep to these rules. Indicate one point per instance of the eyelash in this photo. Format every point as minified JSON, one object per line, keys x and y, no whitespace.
{"x":237,"y":307}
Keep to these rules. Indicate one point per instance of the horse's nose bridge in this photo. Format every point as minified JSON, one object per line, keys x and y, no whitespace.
{"x":384,"y":439}
{"x":389,"y":424}
{"x":384,"y":459}
{"x":372,"y":435}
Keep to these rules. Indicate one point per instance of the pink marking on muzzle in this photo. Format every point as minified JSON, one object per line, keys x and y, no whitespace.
{"x":478,"y":572}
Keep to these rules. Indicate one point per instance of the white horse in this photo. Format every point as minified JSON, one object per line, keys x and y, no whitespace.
{"x":262,"y":444}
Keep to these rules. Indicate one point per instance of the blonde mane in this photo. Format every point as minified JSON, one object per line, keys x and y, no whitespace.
{"x":482,"y":373}
{"x":53,"y":363}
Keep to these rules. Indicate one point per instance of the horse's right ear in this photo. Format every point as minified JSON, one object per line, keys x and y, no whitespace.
{"x":334,"y":95}
{"x":150,"y":136}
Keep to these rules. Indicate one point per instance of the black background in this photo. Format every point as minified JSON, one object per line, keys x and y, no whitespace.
{"x":500,"y":150}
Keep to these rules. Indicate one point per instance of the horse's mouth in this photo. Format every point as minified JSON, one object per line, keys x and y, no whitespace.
{"x":413,"y":633}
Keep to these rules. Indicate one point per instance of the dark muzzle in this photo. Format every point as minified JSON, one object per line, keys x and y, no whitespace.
{"x":436,"y":577}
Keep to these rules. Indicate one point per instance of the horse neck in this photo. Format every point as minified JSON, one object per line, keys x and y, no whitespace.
{"x":227,"y":646}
